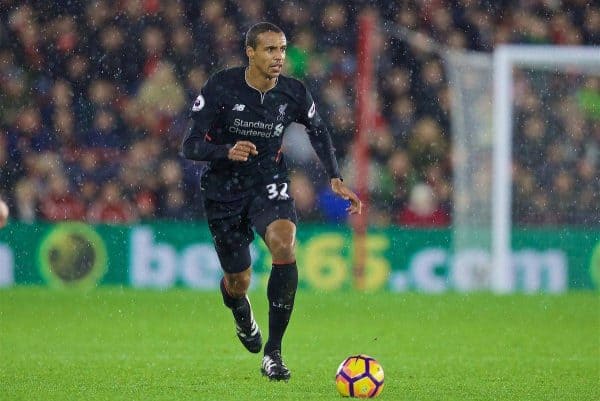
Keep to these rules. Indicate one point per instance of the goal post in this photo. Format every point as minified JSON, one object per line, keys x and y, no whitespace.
{"x":506,"y":58}
{"x":483,"y":116}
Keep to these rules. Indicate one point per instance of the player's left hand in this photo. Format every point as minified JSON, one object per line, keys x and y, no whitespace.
{"x":337,"y":186}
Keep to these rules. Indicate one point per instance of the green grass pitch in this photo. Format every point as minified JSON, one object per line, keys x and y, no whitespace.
{"x":124,"y":344}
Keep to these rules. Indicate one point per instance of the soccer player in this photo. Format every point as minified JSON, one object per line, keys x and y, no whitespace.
{"x":237,"y":124}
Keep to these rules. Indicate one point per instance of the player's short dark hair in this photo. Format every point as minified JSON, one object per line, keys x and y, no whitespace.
{"x":259,"y":28}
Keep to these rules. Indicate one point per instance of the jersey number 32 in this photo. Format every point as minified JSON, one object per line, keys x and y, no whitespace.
{"x":278,"y":191}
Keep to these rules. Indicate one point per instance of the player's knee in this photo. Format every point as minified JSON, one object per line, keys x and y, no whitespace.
{"x":283,"y":251}
{"x":281,"y":240}
{"x":238,"y":283}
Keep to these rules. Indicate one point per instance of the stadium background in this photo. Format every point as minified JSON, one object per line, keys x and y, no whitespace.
{"x":95,"y":95}
{"x":93,"y":101}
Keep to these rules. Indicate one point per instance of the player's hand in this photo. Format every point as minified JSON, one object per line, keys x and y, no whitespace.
{"x":344,"y":192}
{"x":3,"y":213}
{"x":241,"y":151}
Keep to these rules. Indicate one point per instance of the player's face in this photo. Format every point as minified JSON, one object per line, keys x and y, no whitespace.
{"x":269,"y":54}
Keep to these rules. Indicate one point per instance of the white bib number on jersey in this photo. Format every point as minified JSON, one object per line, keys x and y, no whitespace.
{"x":278,"y":191}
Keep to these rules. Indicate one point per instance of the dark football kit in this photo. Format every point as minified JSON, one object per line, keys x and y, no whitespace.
{"x":240,"y":196}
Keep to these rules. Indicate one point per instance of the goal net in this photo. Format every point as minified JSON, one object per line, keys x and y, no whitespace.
{"x":525,"y":134}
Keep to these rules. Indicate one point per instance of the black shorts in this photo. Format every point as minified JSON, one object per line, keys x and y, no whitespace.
{"x":231,"y":225}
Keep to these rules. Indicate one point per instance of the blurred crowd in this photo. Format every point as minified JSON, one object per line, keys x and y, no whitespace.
{"x":94,"y":100}
{"x":556,"y":177}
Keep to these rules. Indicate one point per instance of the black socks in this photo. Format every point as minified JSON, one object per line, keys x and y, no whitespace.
{"x":281,"y":292}
{"x":240,"y":307}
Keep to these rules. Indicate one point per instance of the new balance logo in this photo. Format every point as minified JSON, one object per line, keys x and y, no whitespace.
{"x":239,"y":107}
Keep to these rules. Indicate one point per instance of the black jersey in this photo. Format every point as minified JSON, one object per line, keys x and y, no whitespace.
{"x":228,"y":110}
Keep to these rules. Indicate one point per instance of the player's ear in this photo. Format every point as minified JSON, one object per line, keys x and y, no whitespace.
{"x":249,"y":52}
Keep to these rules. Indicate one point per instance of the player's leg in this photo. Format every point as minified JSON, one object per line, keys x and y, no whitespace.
{"x":280,"y":237}
{"x":234,"y":287}
{"x":232,"y":236}
{"x":275,"y":221}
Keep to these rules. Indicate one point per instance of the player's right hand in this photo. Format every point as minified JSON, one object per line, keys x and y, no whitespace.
{"x":337,"y":186}
{"x":241,"y":151}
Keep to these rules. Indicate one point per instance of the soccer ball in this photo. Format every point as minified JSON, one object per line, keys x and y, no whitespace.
{"x":359,"y":376}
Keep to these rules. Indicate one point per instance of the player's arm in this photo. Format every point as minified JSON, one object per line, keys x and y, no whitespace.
{"x":323,"y":146}
{"x":197,"y":144}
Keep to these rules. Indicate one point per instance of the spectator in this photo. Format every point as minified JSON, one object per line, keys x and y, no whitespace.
{"x":161,"y":94}
{"x":111,"y":207}
{"x":301,"y":50}
{"x":112,"y":60}
{"x":171,"y":198}
{"x":427,"y":145}
{"x":9,"y":173}
{"x":400,"y":177}
{"x":29,"y":134}
{"x":422,"y":209}
{"x":26,"y":200}
{"x":104,"y":137}
{"x":402,"y":120}
{"x":59,"y":203}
